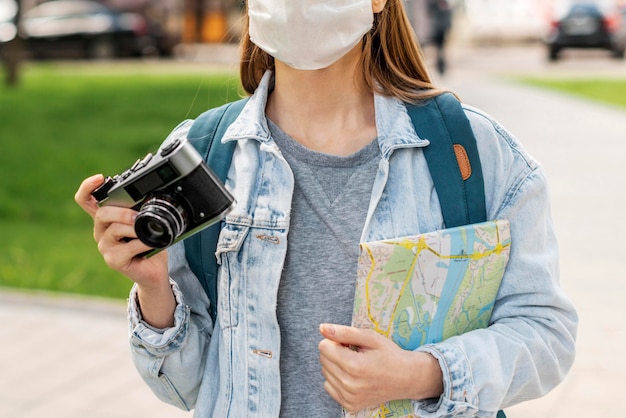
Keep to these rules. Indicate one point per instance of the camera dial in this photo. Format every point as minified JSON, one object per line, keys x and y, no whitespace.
{"x":159,"y":222}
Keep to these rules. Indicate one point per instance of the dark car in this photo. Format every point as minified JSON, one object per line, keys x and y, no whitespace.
{"x":588,"y":24}
{"x":85,"y":28}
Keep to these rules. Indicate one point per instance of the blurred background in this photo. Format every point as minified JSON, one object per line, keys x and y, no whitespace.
{"x":91,"y":86}
{"x":111,"y":28}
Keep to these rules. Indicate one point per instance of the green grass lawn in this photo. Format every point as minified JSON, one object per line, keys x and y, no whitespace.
{"x":63,"y":124}
{"x":68,"y":121}
{"x":611,"y":91}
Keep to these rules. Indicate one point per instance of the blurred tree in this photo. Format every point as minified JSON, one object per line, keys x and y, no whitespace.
{"x":11,"y":53}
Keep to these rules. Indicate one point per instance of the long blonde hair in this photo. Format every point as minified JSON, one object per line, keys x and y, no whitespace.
{"x":391,"y":60}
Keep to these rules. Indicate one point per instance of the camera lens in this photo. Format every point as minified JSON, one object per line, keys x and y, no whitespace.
{"x":159,"y":222}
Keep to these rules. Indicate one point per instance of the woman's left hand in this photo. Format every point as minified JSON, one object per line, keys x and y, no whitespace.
{"x":364,"y":369}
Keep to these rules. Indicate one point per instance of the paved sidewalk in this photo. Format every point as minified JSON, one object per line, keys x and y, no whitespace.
{"x":67,"y":357}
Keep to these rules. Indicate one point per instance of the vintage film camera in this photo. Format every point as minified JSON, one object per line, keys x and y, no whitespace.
{"x":174,"y":191}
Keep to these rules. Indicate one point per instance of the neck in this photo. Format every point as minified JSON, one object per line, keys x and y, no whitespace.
{"x":327,"y":110}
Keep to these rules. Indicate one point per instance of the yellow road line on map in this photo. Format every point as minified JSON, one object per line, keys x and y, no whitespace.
{"x":367,"y":291}
{"x":421,"y":245}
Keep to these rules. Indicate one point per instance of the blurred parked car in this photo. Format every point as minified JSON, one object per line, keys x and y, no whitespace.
{"x":87,"y":29}
{"x":588,"y":24}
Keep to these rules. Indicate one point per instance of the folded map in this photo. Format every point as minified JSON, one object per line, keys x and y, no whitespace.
{"x":426,"y":288}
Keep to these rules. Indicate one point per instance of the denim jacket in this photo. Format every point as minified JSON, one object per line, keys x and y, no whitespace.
{"x":230,"y":368}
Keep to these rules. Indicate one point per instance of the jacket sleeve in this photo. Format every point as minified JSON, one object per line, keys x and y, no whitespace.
{"x":529,"y":346}
{"x":171,"y":361}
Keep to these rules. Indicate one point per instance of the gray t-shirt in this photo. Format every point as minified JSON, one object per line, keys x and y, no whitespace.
{"x":329,"y":207}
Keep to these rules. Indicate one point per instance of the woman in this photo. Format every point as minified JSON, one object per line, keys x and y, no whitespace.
{"x":326,"y":158}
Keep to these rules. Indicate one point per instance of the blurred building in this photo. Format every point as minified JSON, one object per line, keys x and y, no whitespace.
{"x":507,"y":20}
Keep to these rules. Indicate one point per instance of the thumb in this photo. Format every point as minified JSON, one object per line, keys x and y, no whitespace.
{"x":83,"y":194}
{"x":349,"y":336}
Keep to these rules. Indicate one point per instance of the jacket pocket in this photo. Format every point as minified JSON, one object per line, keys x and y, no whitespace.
{"x":172,"y":395}
{"x":230,"y":273}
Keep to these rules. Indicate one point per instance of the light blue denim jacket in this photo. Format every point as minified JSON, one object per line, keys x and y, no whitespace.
{"x":231,"y":368}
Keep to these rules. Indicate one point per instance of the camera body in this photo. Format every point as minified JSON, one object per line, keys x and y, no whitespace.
{"x":175,"y":192}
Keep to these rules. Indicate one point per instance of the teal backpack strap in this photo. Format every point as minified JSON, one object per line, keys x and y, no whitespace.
{"x":453,"y":161}
{"x":205,"y":135}
{"x":452,"y":158}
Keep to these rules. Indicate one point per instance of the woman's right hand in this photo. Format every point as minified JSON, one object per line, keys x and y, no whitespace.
{"x":114,"y":232}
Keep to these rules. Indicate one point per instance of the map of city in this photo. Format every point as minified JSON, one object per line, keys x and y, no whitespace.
{"x":426,"y":288}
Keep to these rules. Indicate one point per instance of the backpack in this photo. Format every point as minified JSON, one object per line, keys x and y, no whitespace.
{"x":452,"y":158}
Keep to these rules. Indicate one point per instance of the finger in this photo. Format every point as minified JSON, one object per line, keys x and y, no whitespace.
{"x":328,"y":360}
{"x":334,"y":381}
{"x":119,"y":255}
{"x":350,"y":336}
{"x":339,"y":359}
{"x":83,"y":195}
{"x":118,"y":232}
{"x":342,"y":391}
{"x":337,"y":377}
{"x":109,"y":215}
{"x":334,"y":393}
{"x":341,"y":365}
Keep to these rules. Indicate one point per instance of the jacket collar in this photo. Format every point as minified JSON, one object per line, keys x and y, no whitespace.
{"x":393,"y":124}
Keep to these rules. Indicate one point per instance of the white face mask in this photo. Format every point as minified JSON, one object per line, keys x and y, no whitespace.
{"x":308,"y":34}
